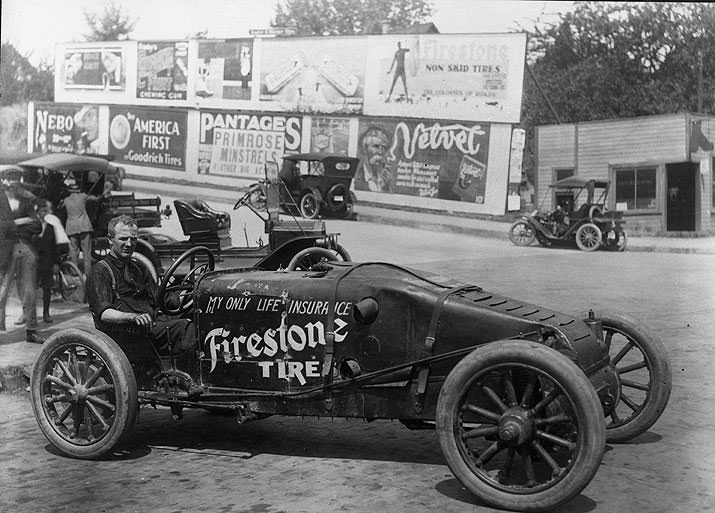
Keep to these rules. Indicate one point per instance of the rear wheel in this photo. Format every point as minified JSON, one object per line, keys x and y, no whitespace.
{"x":83,"y":392}
{"x":309,"y":205}
{"x":147,"y":264}
{"x":521,"y":233}
{"x":642,"y":365}
{"x":588,"y":237}
{"x":620,"y":243}
{"x":520,"y":426}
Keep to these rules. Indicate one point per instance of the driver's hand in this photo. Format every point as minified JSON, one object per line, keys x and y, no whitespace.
{"x":143,"y":319}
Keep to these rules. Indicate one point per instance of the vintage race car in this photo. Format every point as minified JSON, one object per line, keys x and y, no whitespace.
{"x":523,"y":398}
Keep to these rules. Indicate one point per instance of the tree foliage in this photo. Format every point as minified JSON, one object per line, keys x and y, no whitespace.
{"x":609,"y":60}
{"x":20,"y":81}
{"x":346,"y":17}
{"x":111,"y":25}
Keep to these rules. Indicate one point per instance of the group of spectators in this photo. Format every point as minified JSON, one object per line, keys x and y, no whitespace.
{"x":32,"y":239}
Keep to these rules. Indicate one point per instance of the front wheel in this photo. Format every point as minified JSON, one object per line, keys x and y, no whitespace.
{"x":521,"y":233}
{"x":588,"y":237}
{"x":83,"y":392}
{"x":520,"y":426}
{"x":642,"y":365}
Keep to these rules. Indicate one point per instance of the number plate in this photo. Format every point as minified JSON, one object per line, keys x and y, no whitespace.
{"x":611,"y":235}
{"x":338,"y":198}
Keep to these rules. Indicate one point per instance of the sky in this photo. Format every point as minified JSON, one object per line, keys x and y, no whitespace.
{"x":35,"y":26}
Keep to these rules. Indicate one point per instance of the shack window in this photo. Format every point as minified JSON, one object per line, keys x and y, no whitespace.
{"x":636,"y":188}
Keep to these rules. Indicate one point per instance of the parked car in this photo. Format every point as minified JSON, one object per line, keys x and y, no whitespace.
{"x":523,"y":398}
{"x":47,"y":175}
{"x":580,"y":218}
{"x":314,"y":184}
{"x":288,"y":240}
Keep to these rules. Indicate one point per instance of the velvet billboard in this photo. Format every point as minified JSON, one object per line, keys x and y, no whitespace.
{"x":433,"y":159}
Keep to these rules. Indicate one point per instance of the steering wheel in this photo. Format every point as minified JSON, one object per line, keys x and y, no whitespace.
{"x":182,"y":292}
{"x":254,"y":197}
{"x":304,"y":260}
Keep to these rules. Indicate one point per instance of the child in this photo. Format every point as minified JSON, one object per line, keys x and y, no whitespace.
{"x":49,"y":244}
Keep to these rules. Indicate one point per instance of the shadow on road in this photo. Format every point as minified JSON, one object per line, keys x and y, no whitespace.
{"x":203,"y":432}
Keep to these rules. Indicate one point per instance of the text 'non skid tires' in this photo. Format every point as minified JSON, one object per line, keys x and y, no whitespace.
{"x":520,"y":425}
{"x":83,"y":392}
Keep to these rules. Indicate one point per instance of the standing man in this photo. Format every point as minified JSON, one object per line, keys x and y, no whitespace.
{"x":18,"y":205}
{"x":122,"y":297}
{"x":374,"y":173}
{"x":78,"y":226}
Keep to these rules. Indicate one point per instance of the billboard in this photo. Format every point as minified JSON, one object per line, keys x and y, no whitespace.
{"x":97,"y":68}
{"x":148,"y":137}
{"x":312,"y":75}
{"x":63,"y":127}
{"x":453,"y":76}
{"x":162,"y":70}
{"x":238,"y":144}
{"x":433,"y":159}
{"x":330,"y":135}
{"x":225,"y":69}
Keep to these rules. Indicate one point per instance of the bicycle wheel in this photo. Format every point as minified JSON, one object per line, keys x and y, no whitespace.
{"x":70,"y":282}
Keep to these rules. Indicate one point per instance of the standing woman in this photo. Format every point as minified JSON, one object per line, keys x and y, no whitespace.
{"x":78,"y":226}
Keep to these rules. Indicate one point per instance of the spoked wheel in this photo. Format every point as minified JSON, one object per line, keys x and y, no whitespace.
{"x":84,"y":394}
{"x":588,"y":237}
{"x":69,"y":281}
{"x":305,"y":259}
{"x":644,"y":371}
{"x":309,"y":205}
{"x":521,"y":233}
{"x":520,"y":426}
{"x":179,"y":290}
{"x":620,"y":243}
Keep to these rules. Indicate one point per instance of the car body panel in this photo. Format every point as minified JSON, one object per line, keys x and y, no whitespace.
{"x":265,"y":333}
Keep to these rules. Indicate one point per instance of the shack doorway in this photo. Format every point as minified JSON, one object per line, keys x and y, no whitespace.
{"x":680,"y":200}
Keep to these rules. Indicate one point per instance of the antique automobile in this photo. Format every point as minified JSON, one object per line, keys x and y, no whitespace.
{"x":302,"y":242}
{"x":313,"y":185}
{"x":580,"y":218}
{"x":47,"y":175}
{"x":523,"y":398}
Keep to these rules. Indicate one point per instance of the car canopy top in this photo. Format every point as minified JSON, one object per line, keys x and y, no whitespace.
{"x":578,"y":182}
{"x":68,"y":162}
{"x":334,"y":164}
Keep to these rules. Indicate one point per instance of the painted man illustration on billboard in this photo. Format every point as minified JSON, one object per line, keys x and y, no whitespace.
{"x":374,"y":173}
{"x":398,"y":63}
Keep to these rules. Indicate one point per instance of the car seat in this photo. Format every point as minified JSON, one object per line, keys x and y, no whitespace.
{"x":197,"y":218}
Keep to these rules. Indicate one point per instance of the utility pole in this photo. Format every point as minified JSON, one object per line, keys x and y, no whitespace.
{"x":700,"y":81}
{"x":543,"y":93}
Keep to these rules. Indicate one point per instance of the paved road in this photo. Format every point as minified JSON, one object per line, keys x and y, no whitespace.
{"x":209,"y":463}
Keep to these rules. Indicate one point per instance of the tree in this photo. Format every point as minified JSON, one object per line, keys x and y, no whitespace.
{"x":609,"y":60}
{"x":21,"y":81}
{"x":111,"y":25}
{"x":617,"y":60}
{"x":345,"y":17}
